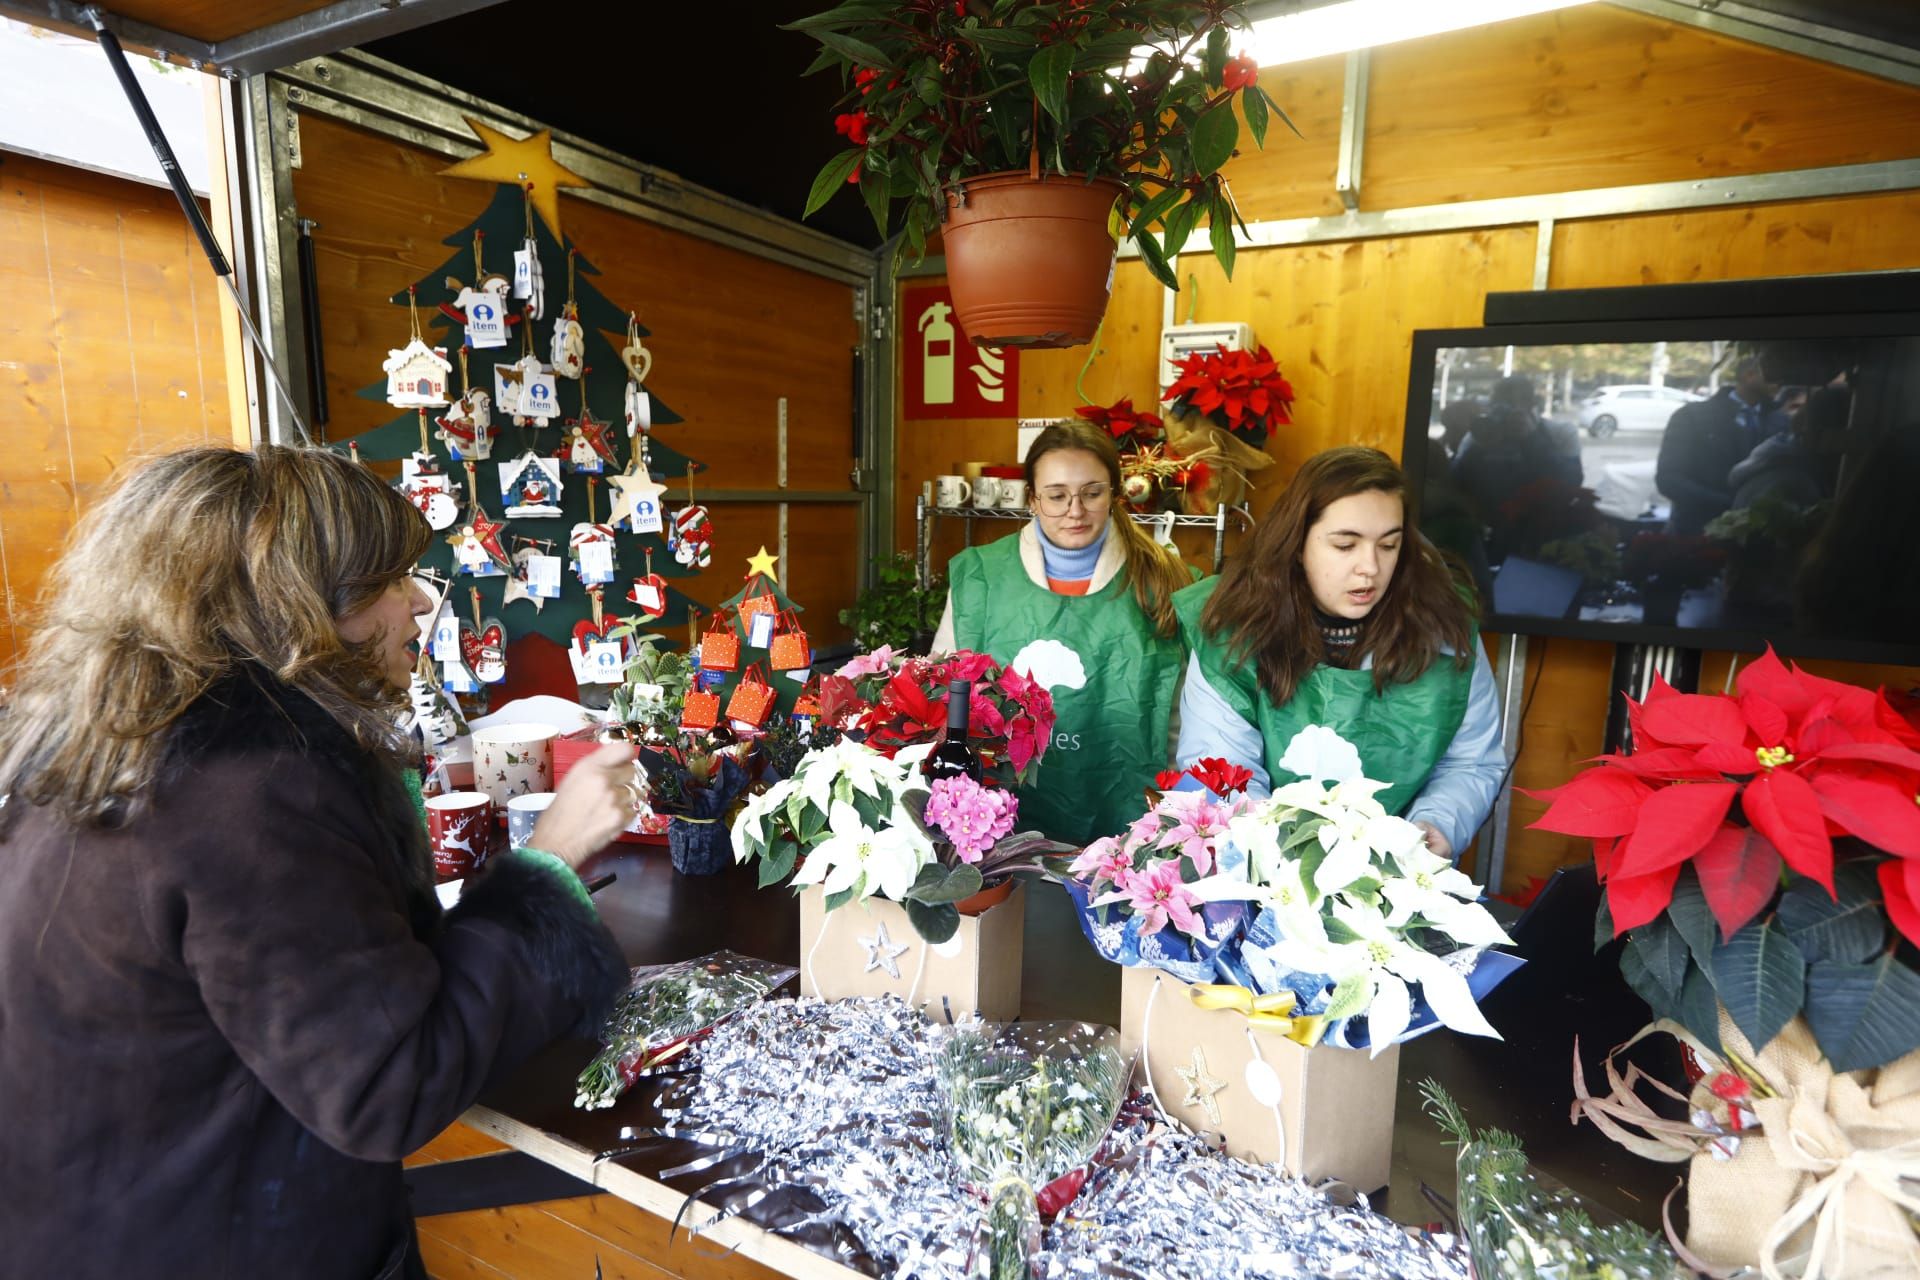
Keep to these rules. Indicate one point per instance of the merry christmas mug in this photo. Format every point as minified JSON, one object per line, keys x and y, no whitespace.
{"x":459,"y":824}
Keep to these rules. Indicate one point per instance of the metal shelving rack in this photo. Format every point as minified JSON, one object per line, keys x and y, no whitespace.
{"x":924,"y":517}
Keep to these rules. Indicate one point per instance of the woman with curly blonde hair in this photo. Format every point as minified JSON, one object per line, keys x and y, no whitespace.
{"x":229,"y":999}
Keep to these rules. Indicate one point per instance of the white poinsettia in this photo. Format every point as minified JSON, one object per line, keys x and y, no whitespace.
{"x":1358,"y":832}
{"x":1318,"y":754}
{"x":1434,"y":890}
{"x":1271,"y":880}
{"x":856,"y":857}
{"x":750,"y":825}
{"x":864,"y":769}
{"x":1372,"y":973}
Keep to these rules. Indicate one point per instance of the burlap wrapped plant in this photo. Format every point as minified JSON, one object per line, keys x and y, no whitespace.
{"x":1228,"y":459}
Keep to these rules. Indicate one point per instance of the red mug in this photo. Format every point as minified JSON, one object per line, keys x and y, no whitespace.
{"x":459,"y":824}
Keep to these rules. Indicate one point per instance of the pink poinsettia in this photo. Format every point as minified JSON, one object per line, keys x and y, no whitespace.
{"x":1157,"y":894}
{"x":868,"y":664}
{"x":1102,"y":862}
{"x":1199,"y":823}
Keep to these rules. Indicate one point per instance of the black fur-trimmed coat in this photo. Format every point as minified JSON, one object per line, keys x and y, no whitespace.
{"x":223,"y":1023}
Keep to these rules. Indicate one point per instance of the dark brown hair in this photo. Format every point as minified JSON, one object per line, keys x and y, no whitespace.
{"x":1153,"y":571}
{"x":1264,"y":609}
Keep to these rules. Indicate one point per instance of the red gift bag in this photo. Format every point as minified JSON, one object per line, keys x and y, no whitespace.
{"x":807,"y":705}
{"x":720,"y":647}
{"x":791,"y":650}
{"x":764,"y":602}
{"x":752,"y":700}
{"x":701,"y":711}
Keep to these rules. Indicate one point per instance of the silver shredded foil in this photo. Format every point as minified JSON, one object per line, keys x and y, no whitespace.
{"x":839,"y":1100}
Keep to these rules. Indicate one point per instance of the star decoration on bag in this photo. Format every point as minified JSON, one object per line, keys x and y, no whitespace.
{"x":883,"y":952}
{"x":1201,"y":1086}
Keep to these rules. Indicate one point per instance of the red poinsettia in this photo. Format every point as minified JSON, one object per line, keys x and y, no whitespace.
{"x":1129,"y":427}
{"x":1222,"y":777}
{"x":1739,"y":786}
{"x":903,"y":702}
{"x":1241,"y":390}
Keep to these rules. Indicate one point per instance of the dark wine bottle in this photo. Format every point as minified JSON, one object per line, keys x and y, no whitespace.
{"x":954,"y":757}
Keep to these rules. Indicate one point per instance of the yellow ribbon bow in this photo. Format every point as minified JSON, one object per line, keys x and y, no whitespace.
{"x":1267,"y":1013}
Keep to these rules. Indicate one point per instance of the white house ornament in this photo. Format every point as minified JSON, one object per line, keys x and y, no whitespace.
{"x":530,"y":487}
{"x":431,"y":490}
{"x":417,"y":375}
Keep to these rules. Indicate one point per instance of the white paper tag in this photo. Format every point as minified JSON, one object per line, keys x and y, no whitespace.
{"x":596,"y":562}
{"x":760,"y":631}
{"x":1263,"y":1082}
{"x":648,"y":597}
{"x":523,"y":273}
{"x":543,"y":577}
{"x":800,"y":675}
{"x":455,"y":676}
{"x":604,"y":661}
{"x":540,"y":397}
{"x":446,"y":635}
{"x":506,"y":395}
{"x":486,"y":324}
{"x":647,"y":517}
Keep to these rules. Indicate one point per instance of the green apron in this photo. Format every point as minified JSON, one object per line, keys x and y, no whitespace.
{"x":1400,"y":734}
{"x":1110,"y":736}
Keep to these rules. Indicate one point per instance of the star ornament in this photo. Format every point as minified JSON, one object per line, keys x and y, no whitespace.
{"x":1201,"y":1086}
{"x":632,"y":490}
{"x":761,"y":563}
{"x":527,"y":163}
{"x":883,"y":952}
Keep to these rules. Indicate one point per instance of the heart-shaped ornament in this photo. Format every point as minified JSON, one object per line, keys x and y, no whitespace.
{"x":485,"y":650}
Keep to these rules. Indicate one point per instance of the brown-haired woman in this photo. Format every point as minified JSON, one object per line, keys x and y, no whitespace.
{"x":229,"y":999}
{"x":1339,"y":613}
{"x":1081,"y":599}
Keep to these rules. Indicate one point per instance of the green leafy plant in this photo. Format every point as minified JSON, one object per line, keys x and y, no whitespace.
{"x":1139,"y":91}
{"x":658,"y":676}
{"x":896,"y":607}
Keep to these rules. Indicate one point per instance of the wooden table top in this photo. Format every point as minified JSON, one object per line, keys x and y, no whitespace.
{"x":1522,"y":1084}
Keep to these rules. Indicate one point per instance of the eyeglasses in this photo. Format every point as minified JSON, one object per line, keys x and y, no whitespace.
{"x":1057,"y":502}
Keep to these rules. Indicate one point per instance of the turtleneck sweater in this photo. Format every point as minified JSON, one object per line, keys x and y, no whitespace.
{"x":1070,"y":569}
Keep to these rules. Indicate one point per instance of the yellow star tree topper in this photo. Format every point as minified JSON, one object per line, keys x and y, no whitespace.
{"x":762,"y":563}
{"x":526,"y":162}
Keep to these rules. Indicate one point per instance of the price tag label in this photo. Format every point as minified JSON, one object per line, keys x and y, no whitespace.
{"x":760,"y":631}
{"x":543,"y":577}
{"x":604,"y":661}
{"x":455,"y":676}
{"x":446,"y":635}
{"x":486,"y":324}
{"x":523,"y":273}
{"x":596,"y":563}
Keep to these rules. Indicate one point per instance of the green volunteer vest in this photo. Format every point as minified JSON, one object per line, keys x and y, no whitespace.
{"x":1111,"y":677}
{"x":1400,"y":734}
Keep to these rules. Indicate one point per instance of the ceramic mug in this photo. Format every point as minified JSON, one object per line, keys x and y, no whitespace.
{"x":952,"y":491}
{"x":513,"y":760}
{"x":1013,"y":494}
{"x":523,"y":814}
{"x":986,"y":492}
{"x":459,"y":825}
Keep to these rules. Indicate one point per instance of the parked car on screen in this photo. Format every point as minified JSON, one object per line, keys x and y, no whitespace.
{"x":1635,"y":407}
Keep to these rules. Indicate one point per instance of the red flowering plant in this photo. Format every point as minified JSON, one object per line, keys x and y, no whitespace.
{"x":1755,"y":848}
{"x":1241,"y":390}
{"x":894,"y":701}
{"x":1130,"y":428}
{"x":1222,"y":777}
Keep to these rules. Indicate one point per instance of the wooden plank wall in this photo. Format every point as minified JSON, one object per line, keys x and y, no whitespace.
{"x":731,"y":334}
{"x":110,"y":350}
{"x":1587,"y":97}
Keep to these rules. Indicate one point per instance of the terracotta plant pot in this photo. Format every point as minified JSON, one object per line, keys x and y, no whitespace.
{"x":991,"y":896}
{"x":1030,"y":261}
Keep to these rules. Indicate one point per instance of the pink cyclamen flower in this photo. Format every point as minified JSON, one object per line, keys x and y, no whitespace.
{"x":973,"y":817}
{"x":879,"y":662}
{"x":1103,"y":860}
{"x":1156,"y":894}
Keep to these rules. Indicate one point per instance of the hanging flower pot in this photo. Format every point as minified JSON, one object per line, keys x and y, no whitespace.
{"x":1030,"y":259}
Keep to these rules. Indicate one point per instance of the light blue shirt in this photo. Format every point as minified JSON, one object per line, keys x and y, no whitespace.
{"x":1458,"y":794}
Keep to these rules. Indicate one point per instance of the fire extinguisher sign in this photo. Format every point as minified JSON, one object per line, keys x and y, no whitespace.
{"x":946,"y":375}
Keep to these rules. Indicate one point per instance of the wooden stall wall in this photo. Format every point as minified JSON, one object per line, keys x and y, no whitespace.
{"x":1588,"y":97}
{"x":731,"y":335}
{"x":110,"y":349}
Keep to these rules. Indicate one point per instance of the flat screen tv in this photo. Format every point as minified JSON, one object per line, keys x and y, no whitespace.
{"x":1706,"y":481}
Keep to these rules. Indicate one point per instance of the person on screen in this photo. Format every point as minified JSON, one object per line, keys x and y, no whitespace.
{"x":1509,"y":452}
{"x":1859,"y":579}
{"x":1801,"y":465}
{"x":1704,"y":441}
{"x":1340,"y":613}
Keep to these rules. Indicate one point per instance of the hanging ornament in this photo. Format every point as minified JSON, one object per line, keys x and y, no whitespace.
{"x":436,"y":717}
{"x":590,"y":545}
{"x":528,"y":280}
{"x":466,"y":428}
{"x":476,"y":541}
{"x":530,"y":487}
{"x":569,"y":350}
{"x":650,"y":592}
{"x":535,"y":575}
{"x":482,"y":306}
{"x":636,"y":499}
{"x":416,"y":373}
{"x":596,"y":656}
{"x":483,"y":645}
{"x":427,"y":487}
{"x":637,"y":360}
{"x":539,"y":395}
{"x":691,"y":537}
{"x":585,"y":448}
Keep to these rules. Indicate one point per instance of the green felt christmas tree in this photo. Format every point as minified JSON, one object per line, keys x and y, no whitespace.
{"x":761,"y":581}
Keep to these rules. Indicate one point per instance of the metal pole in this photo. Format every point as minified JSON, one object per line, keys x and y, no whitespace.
{"x":1512,"y":679}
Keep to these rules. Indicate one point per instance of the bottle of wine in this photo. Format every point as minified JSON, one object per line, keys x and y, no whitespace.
{"x":954,"y":756}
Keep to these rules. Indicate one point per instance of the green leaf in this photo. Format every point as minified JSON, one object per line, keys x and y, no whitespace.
{"x":778,"y":864}
{"x":1700,"y":1007}
{"x":1048,"y":74}
{"x":937,"y":884}
{"x":1691,"y":915}
{"x":1213,"y":138}
{"x":1254,"y":107}
{"x":1179,"y":225}
{"x":1864,"y":1015}
{"x":1633,"y":967}
{"x":812,"y":823}
{"x":1350,"y":996}
{"x":1659,"y":946}
{"x":1155,"y":206}
{"x":1846,"y":929}
{"x":1220,"y":232}
{"x":873,"y":189}
{"x":1602,"y":924}
{"x":1216,"y":59}
{"x":831,"y":178}
{"x":1761,"y":978}
{"x":1340,"y":932}
{"x":996,"y":39}
{"x":835,"y":901}
{"x":851,"y":49}
{"x":935,"y":922}
{"x":1267,"y":100}
{"x":1155,"y":260}
{"x":841,"y":15}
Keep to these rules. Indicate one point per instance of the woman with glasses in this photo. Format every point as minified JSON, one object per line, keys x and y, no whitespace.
{"x":1339,"y":613}
{"x":1081,"y":600}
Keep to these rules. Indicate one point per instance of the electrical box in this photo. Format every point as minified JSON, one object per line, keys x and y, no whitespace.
{"x":1182,"y":340}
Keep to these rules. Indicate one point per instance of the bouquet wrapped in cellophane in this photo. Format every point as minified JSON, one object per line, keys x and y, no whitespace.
{"x":665,"y":1010}
{"x":1027,"y":1105}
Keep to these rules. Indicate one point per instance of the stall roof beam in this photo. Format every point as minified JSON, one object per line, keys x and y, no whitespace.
{"x":1817,"y":40}
{"x":323,"y":30}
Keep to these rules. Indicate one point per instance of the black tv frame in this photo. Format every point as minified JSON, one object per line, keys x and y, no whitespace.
{"x":1693,"y":327}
